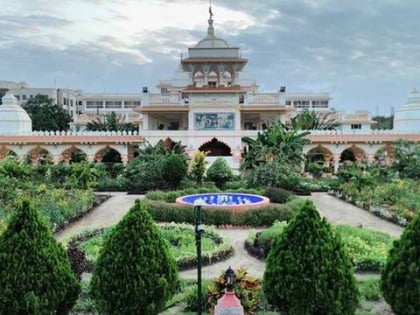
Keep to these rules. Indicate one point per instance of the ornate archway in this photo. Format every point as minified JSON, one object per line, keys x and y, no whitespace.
{"x":74,"y":155}
{"x":353,"y":153}
{"x":108,"y":155}
{"x":216,"y":148}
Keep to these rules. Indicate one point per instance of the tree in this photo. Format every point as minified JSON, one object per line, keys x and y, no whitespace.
{"x":407,"y":159}
{"x":174,"y":169}
{"x":145,"y":172}
{"x":35,"y":273}
{"x":111,"y":122}
{"x":45,"y":115}
{"x":197,"y":167}
{"x":314,"y":120}
{"x":219,"y":172}
{"x":275,"y":143}
{"x":135,"y":273}
{"x":307,"y":270}
{"x":401,"y":274}
{"x":383,"y":122}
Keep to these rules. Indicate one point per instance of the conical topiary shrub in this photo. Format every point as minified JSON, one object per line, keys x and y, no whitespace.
{"x":135,"y":273}
{"x":401,"y":275}
{"x":35,"y":274}
{"x":307,"y":270}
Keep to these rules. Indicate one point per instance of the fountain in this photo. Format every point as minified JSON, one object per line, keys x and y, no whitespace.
{"x":232,"y":201}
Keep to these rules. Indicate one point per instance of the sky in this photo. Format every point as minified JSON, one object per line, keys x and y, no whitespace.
{"x":365,"y":53}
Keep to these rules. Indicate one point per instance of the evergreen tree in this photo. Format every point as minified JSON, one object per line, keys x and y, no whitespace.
{"x":135,"y":273}
{"x":307,"y":270}
{"x":401,"y":275}
{"x":35,"y":274}
{"x":219,"y":172}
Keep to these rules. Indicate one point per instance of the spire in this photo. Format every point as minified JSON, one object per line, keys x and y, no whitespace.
{"x":210,"y":30}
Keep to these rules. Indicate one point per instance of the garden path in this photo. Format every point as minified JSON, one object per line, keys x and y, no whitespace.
{"x":339,"y":212}
{"x":106,"y":214}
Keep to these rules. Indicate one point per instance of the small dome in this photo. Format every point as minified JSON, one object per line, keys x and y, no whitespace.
{"x":407,"y":117}
{"x":212,"y":42}
{"x":14,"y":120}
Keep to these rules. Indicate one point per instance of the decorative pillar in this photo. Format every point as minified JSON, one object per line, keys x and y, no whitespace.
{"x":336,"y":158}
{"x":370,"y":158}
{"x":56,"y":158}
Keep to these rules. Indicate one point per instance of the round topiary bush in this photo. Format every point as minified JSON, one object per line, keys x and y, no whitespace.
{"x":174,"y":169}
{"x":401,"y":275}
{"x":219,"y":172}
{"x":35,"y":274}
{"x":134,"y":274}
{"x":308,"y":271}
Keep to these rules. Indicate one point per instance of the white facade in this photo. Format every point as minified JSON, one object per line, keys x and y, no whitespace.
{"x":13,"y":118}
{"x":407,"y":117}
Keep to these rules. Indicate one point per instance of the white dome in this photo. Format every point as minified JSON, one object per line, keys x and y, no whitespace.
{"x":407,"y":117}
{"x":212,"y":42}
{"x":14,"y":120}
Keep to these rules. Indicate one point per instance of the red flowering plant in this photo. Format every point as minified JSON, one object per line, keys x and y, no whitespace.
{"x":247,"y":289}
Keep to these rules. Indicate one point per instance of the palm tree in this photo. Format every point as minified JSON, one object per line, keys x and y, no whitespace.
{"x":312,"y":120}
{"x":275,"y":143}
{"x":111,"y":122}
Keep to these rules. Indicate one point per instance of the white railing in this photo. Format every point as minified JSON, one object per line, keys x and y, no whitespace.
{"x":263,"y":98}
{"x":74,"y":133}
{"x":164,"y":99}
{"x":214,"y":99}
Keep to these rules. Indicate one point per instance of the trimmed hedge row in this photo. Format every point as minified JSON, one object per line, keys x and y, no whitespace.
{"x":265,"y":216}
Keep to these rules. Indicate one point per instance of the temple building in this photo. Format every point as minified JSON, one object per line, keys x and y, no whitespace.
{"x":209,"y":104}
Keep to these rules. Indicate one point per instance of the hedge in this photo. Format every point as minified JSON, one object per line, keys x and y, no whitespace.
{"x":265,"y":216}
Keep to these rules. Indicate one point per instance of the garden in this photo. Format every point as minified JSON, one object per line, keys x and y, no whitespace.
{"x":134,"y":266}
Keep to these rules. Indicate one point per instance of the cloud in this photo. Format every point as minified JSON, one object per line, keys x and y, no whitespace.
{"x":308,"y":45}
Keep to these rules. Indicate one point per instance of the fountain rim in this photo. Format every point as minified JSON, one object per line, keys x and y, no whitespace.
{"x":264,"y":200}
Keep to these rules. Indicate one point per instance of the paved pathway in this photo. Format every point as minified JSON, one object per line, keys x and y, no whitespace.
{"x":106,"y":214}
{"x":337,"y":211}
{"x":340,"y":212}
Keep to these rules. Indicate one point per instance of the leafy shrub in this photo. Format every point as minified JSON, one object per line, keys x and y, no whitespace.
{"x":164,"y":212}
{"x":219,"y":172}
{"x":84,"y":304}
{"x":191,"y":301}
{"x":307,"y":270}
{"x":370,"y":289}
{"x":35,"y":274}
{"x":246,"y":288}
{"x":78,"y":261}
{"x":316,"y":169}
{"x":273,"y":174}
{"x":179,"y":237}
{"x":145,"y":173}
{"x":174,"y":169}
{"x":197,"y":167}
{"x":401,"y":275}
{"x":277,"y":195}
{"x":366,"y":248}
{"x":135,"y":274}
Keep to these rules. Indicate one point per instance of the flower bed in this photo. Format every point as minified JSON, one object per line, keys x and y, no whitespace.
{"x":368,"y":249}
{"x":385,"y":201}
{"x":59,"y":206}
{"x":181,"y":241}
